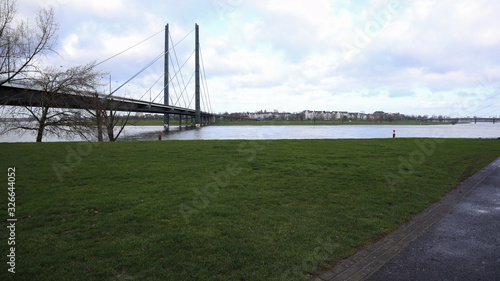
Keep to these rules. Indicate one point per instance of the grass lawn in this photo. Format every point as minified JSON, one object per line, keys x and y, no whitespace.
{"x":218,"y":210}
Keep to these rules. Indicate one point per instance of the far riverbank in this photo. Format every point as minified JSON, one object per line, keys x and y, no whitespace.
{"x":227,"y":122}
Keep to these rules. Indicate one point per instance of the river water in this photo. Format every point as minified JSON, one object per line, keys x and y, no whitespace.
{"x":146,"y":133}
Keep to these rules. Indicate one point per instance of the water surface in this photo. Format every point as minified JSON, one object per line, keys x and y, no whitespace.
{"x":145,"y":133}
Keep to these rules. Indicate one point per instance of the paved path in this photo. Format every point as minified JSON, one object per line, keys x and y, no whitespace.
{"x":457,"y":238}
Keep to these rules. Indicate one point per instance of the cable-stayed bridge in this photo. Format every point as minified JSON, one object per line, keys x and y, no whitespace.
{"x":24,"y":95}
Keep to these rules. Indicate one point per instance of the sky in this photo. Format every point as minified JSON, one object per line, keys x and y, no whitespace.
{"x":422,"y":57}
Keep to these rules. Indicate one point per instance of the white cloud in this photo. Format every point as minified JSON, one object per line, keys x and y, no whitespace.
{"x":294,"y":55}
{"x":108,"y":8}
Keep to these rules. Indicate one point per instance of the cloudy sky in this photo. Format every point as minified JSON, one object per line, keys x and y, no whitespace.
{"x":415,"y":57}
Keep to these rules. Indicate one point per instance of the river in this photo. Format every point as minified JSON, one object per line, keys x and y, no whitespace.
{"x":147,"y":133}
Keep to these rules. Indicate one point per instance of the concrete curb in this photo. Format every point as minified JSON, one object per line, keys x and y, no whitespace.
{"x":366,"y":261}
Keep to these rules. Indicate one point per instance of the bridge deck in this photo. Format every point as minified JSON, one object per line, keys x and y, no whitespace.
{"x":20,"y":96}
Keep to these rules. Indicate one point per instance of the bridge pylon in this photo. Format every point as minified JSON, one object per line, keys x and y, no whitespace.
{"x":197,"y":78}
{"x":166,"y":80}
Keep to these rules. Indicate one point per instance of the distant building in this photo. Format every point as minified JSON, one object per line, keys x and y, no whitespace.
{"x":339,"y":115}
{"x":308,"y":115}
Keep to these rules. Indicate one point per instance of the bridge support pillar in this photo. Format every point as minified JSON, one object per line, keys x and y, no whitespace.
{"x":166,"y":122}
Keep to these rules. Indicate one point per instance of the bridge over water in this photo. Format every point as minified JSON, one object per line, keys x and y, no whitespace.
{"x":474,"y":120}
{"x":24,"y":95}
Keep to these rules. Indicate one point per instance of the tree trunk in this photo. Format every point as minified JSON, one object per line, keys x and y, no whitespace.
{"x":99,"y":132}
{"x":111,"y":134}
{"x":41,"y":124}
{"x":110,"y":126}
{"x":99,"y":125}
{"x":39,"y":134}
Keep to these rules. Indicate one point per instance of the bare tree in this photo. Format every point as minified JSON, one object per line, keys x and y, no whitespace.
{"x":93,"y":105}
{"x":22,"y":44}
{"x":113,"y":120}
{"x":105,"y":117}
{"x":50,"y":106}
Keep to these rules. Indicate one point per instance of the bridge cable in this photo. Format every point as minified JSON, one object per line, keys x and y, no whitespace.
{"x":149,"y":64}
{"x":185,"y":88}
{"x":138,"y":73}
{"x":483,"y":108}
{"x":150,"y":88}
{"x":129,"y":48}
{"x":204,"y":91}
{"x":206,"y":83}
{"x":175,"y":91}
{"x":171,"y":97}
{"x":204,"y":98}
{"x":482,"y":102}
{"x":171,"y":79}
{"x":171,"y":102}
{"x":176,"y":102}
{"x":154,"y":84}
{"x":178,"y":82}
{"x":191,"y":100}
{"x":182,"y":76}
{"x":209,"y":102}
{"x":208,"y":91}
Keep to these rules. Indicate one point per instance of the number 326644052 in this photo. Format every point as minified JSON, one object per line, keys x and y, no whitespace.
{"x":11,"y":181}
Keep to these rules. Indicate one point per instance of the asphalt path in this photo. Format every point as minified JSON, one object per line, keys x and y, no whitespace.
{"x":457,"y":238}
{"x":463,"y":245}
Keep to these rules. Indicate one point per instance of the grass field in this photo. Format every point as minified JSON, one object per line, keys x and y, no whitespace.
{"x":218,"y":210}
{"x":159,"y":122}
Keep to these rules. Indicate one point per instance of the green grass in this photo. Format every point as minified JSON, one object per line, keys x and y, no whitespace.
{"x":218,"y":210}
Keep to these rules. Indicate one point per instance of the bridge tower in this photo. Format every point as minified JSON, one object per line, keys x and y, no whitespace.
{"x":197,"y":78}
{"x":166,"y":80}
